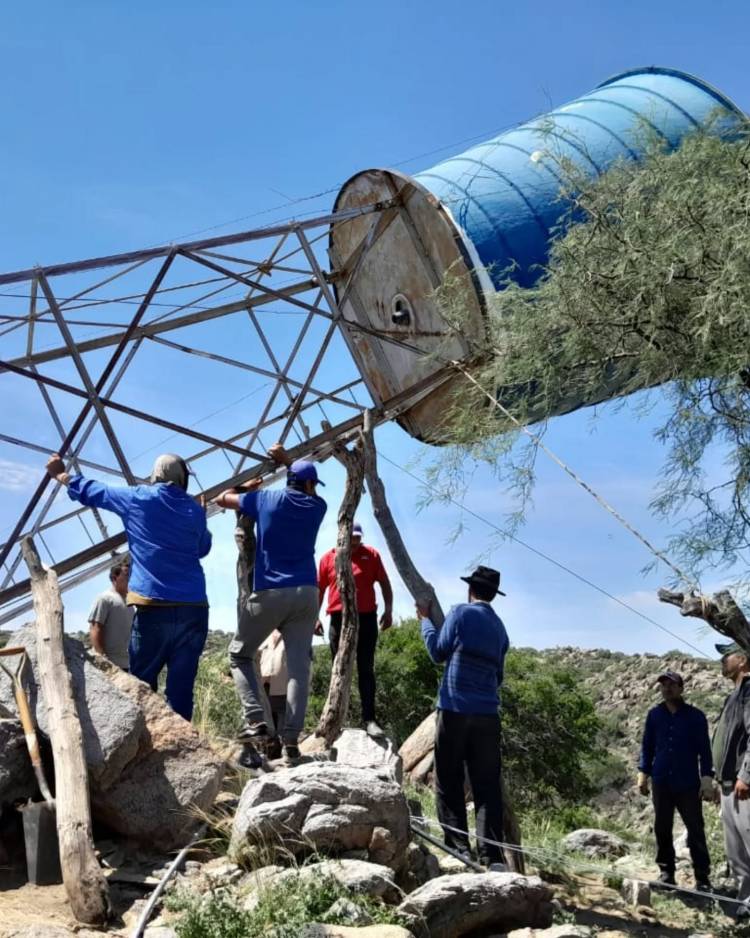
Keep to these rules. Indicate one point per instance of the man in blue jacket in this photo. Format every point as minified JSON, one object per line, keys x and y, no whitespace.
{"x":284,"y":598}
{"x":676,"y":755}
{"x":472,"y":643}
{"x":167,"y":537}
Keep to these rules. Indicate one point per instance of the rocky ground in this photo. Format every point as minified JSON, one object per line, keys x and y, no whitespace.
{"x":330,"y":842}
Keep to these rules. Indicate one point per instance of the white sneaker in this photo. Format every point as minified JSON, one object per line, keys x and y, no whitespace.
{"x":497,"y":868}
{"x":372,"y":729}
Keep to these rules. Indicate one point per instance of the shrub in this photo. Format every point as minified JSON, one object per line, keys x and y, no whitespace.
{"x":281,"y":910}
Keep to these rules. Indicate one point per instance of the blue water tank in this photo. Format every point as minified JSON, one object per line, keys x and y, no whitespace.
{"x":504,"y":193}
{"x":471,"y":218}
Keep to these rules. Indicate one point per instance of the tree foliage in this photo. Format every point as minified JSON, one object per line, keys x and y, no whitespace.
{"x":550,"y":726}
{"x":647,"y":284}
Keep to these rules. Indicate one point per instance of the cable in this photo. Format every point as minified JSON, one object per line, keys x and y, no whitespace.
{"x":549,"y":559}
{"x":564,"y":860}
{"x":537,"y":440}
{"x":337,"y":187}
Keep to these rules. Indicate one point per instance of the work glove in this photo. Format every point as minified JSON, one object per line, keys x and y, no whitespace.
{"x":642,"y":783}
{"x":707,"y":788}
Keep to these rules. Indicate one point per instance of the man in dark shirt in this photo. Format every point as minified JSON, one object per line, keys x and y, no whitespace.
{"x":472,"y":643}
{"x":675,"y":744}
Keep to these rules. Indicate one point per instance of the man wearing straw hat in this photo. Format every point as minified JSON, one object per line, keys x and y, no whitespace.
{"x":472,"y":644}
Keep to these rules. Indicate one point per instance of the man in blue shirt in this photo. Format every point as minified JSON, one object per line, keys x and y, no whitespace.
{"x":167,"y":537}
{"x":675,"y":749}
{"x":472,"y":643}
{"x":284,"y":597}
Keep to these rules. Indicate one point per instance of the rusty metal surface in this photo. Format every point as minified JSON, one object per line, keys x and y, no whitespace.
{"x":409,"y":259}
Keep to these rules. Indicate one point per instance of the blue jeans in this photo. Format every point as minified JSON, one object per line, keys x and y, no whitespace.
{"x":173,"y":636}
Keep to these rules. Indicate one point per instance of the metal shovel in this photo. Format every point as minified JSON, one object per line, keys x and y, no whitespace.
{"x":39,"y":819}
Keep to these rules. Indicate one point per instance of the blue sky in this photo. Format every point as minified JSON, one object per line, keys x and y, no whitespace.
{"x":130,"y":125}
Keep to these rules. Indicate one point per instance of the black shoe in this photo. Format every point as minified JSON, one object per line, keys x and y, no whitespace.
{"x":703,"y":885}
{"x":666,"y":879}
{"x":273,"y":748}
{"x":250,"y":758}
{"x":291,"y":754}
{"x":252,"y":733}
{"x":742,"y":914}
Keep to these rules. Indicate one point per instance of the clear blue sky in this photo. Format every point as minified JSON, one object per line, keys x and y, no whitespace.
{"x":127,"y":125}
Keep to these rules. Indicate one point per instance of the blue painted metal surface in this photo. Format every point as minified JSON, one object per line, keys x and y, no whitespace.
{"x":504,"y":193}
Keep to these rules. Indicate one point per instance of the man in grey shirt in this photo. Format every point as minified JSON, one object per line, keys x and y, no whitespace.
{"x":111,"y":619}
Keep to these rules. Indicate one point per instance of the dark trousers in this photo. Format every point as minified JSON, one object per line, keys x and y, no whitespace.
{"x":471,"y":743}
{"x":688,"y":803}
{"x":171,"y":636}
{"x":367,"y":640}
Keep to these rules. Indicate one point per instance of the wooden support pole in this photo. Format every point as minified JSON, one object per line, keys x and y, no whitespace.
{"x":420,"y":589}
{"x":423,"y":592}
{"x":334,"y":713}
{"x":244,"y":538}
{"x":85,"y":884}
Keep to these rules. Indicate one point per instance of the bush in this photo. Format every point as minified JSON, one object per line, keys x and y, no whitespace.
{"x":407,"y":682}
{"x":550,"y":730}
{"x":550,"y":726}
{"x":217,"y":708}
{"x":281,"y":911}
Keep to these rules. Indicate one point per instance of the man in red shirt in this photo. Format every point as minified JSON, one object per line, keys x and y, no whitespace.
{"x":368,"y":570}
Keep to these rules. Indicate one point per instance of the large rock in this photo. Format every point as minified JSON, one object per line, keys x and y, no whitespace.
{"x":358,"y":876}
{"x":595,"y":843}
{"x":557,"y":931}
{"x":348,"y":931}
{"x":17,"y":782}
{"x":174,"y":775}
{"x":356,"y":748}
{"x":327,"y":807}
{"x":451,"y":906}
{"x":148,"y":768}
{"x":418,"y":747}
{"x":112,"y":724}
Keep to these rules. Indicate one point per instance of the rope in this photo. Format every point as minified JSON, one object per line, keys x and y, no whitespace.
{"x":564,"y":860}
{"x":537,"y":440}
{"x":557,"y":563}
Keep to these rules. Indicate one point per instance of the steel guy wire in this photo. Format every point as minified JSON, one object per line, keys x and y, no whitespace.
{"x":558,"y":563}
{"x":547,"y":855}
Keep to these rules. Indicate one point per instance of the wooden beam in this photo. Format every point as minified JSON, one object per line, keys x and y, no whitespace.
{"x":420,"y":589}
{"x":84,"y":880}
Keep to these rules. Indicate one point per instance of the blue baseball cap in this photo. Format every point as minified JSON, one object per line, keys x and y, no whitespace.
{"x":303,"y":470}
{"x":357,"y":528}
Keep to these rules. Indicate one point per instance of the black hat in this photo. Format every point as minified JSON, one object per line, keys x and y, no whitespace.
{"x":485,"y":576}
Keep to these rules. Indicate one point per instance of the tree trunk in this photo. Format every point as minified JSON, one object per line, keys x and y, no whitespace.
{"x":420,"y":589}
{"x":720,"y":611}
{"x":423,"y":592}
{"x":244,"y":538}
{"x":85,"y":884}
{"x":336,"y":707}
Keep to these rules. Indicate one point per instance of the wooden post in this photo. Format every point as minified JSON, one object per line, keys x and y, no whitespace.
{"x":334,"y":713}
{"x":420,"y":589}
{"x":244,"y":538}
{"x":85,"y":884}
{"x":423,"y":592}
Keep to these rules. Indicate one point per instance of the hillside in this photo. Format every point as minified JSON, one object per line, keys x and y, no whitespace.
{"x":623,"y":688}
